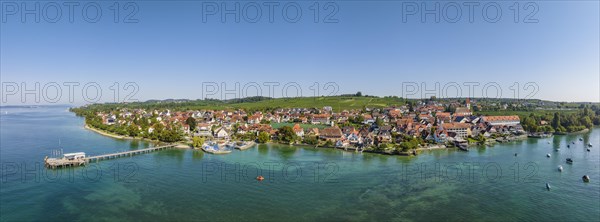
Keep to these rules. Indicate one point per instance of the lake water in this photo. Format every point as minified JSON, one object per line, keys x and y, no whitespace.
{"x":302,"y":183}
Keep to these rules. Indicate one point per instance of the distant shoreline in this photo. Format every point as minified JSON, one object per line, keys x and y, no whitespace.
{"x":573,"y":133}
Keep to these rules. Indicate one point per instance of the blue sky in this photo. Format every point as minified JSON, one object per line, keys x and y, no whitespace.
{"x":170,"y":52}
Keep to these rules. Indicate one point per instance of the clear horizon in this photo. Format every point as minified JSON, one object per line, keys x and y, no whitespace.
{"x":170,"y":50}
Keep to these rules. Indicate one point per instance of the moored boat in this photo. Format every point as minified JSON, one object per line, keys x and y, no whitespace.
{"x":586,"y":178}
{"x":215,"y":149}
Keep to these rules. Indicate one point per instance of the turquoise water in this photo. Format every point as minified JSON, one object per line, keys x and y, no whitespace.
{"x":484,"y":184}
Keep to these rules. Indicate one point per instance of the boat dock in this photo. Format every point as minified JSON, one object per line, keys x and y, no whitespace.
{"x":245,"y":146}
{"x":65,"y":162}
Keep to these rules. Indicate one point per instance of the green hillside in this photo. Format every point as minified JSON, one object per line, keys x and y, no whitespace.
{"x":338,"y":103}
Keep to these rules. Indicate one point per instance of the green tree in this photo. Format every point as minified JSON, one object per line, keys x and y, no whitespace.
{"x":586,"y":121}
{"x":191,"y":122}
{"x":263,"y":137}
{"x":529,"y":123}
{"x":286,"y":134}
{"x":556,"y":121}
{"x":312,"y":140}
{"x":133,"y":130}
{"x":197,"y":141}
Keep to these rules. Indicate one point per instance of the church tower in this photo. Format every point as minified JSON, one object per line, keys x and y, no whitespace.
{"x":468,"y":103}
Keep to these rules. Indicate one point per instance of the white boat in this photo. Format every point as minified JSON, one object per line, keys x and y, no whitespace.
{"x":590,"y":144}
{"x":560,"y":168}
{"x":214,"y":149}
{"x":74,"y":156}
{"x":548,"y":155}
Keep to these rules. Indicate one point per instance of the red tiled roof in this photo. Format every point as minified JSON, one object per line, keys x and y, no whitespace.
{"x":501,"y":118}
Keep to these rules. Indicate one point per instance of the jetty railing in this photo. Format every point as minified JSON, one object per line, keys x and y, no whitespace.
{"x":63,"y":162}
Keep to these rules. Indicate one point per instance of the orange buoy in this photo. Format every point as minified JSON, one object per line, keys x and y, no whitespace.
{"x":260,"y":178}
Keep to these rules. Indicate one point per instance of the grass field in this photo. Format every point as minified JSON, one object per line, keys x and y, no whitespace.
{"x":338,"y":103}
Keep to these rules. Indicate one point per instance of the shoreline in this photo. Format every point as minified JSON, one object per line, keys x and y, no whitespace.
{"x":489,"y":143}
{"x":573,"y":133}
{"x":115,"y":136}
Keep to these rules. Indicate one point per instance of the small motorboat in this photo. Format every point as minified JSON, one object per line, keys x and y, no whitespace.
{"x":586,"y":178}
{"x":557,"y":149}
{"x":573,"y":142}
{"x":590,"y":144}
{"x":569,"y":161}
{"x":568,"y":146}
{"x":547,"y":186}
{"x":580,"y":139}
{"x":548,"y":155}
{"x":548,"y":142}
{"x":516,"y":154}
{"x":260,"y":178}
{"x":560,"y":168}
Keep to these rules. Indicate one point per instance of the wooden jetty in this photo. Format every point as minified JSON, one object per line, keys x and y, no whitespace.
{"x":66,"y":162}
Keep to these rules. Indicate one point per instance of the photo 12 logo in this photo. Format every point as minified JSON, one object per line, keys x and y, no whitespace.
{"x":54,"y":92}
{"x":71,"y":11}
{"x":272,"y":11}
{"x":494,"y":90}
{"x":453,"y":12}
{"x":236,"y":90}
{"x":36,"y":172}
